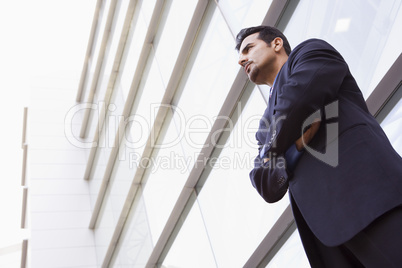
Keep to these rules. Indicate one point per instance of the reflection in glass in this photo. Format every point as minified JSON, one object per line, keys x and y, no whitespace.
{"x":366,"y":34}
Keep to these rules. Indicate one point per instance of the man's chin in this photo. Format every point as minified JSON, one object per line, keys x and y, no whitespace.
{"x":252,"y":76}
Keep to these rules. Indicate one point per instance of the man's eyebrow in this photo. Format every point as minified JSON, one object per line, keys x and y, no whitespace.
{"x":246,"y":47}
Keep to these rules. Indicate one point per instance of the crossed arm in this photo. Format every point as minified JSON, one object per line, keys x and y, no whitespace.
{"x":305,"y":138}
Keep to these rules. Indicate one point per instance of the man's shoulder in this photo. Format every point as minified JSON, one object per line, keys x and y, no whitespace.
{"x":313,"y":43}
{"x":310,"y":46}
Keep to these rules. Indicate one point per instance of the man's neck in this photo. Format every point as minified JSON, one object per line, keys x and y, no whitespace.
{"x":281,"y":61}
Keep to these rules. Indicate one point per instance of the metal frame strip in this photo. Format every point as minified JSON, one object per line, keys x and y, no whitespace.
{"x":111,"y":84}
{"x":88,"y":54}
{"x":99,"y":64}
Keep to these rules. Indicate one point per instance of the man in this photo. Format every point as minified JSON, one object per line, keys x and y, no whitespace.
{"x":346,"y":189}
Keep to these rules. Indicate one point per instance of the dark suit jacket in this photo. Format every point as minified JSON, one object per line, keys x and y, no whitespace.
{"x":362,"y":180}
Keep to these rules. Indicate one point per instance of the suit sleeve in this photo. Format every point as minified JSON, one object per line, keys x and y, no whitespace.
{"x":315,"y":75}
{"x":270,"y":179}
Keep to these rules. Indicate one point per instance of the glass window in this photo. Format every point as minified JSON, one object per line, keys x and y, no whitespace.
{"x":169,"y":42}
{"x":136,"y":132}
{"x":96,"y":176}
{"x":164,"y":179}
{"x":145,"y":108}
{"x":133,"y":49}
{"x":108,"y":60}
{"x":291,"y":254}
{"x":135,"y":245}
{"x":392,"y":125}
{"x":191,"y":248}
{"x":110,"y":55}
{"x":95,"y":109}
{"x":236,"y":217}
{"x":392,"y":48}
{"x":115,"y":197}
{"x":100,"y":89}
{"x":106,"y":141}
{"x":240,"y":14}
{"x":204,"y":89}
{"x":115,"y":37}
{"x":147,"y":10}
{"x":367,"y":34}
{"x":99,"y":36}
{"x":132,"y":143}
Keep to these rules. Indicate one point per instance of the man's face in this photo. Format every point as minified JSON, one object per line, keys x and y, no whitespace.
{"x":257,"y":58}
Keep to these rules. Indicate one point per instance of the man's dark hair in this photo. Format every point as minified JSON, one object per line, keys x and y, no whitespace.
{"x":266,"y":33}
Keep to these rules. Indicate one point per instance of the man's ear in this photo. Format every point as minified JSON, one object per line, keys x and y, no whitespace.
{"x":277,"y":43}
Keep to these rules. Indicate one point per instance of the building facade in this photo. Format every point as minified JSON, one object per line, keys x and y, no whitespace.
{"x":146,"y":162}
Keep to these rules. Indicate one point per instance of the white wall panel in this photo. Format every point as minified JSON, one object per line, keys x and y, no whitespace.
{"x":47,"y":220}
{"x":67,"y":238}
{"x":53,"y":203}
{"x":57,"y":171}
{"x":82,"y":257}
{"x":59,"y":187}
{"x":41,"y":156}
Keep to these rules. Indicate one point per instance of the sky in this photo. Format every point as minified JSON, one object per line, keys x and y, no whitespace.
{"x":38,"y":38}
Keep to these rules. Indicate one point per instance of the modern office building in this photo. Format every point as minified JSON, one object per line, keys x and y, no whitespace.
{"x":143,"y":160}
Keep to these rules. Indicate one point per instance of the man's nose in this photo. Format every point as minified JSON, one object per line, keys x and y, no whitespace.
{"x":242,"y":60}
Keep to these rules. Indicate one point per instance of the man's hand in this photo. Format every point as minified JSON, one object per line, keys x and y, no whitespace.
{"x":308,"y":135}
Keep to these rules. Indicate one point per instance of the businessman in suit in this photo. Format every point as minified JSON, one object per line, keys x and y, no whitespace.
{"x":317,"y":139}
